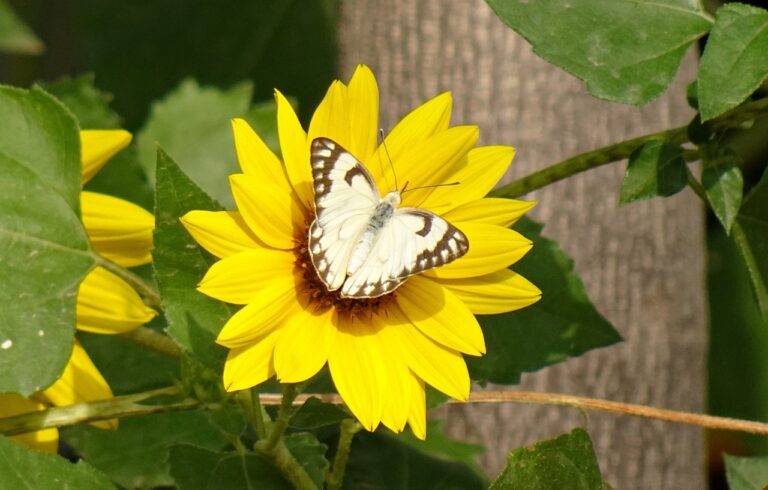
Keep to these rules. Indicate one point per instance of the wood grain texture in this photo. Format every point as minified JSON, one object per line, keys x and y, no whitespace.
{"x":643,"y":264}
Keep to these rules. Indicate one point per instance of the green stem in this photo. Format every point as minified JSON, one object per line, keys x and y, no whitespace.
{"x":147,"y":291}
{"x":146,"y":337}
{"x":119,"y":406}
{"x":251,"y":402}
{"x":348,"y":429}
{"x":290,"y":468}
{"x":281,"y":422}
{"x":761,"y":290}
{"x":620,"y":151}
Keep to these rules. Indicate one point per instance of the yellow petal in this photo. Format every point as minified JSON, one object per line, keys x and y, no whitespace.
{"x":331,"y":118}
{"x":265,"y":312}
{"x":238,"y":278}
{"x":491,"y":248}
{"x":98,"y":146}
{"x":43,"y":440}
{"x":119,"y":230}
{"x":272,"y":215}
{"x":433,"y":161}
{"x":295,"y":150}
{"x":255,"y":157}
{"x":485,"y":166}
{"x":363,"y":95}
{"x":440,"y":315}
{"x":222,"y":233}
{"x":490,"y":210}
{"x":437,"y":365}
{"x":358,"y":369}
{"x":303,"y":349}
{"x":80,"y":382}
{"x":491,"y":294}
{"x":397,"y":403}
{"x":417,"y":414}
{"x":251,"y":365}
{"x":108,"y":305}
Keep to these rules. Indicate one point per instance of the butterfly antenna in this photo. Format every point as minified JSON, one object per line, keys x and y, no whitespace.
{"x":381,"y":164}
{"x":384,"y":144}
{"x":429,"y":186}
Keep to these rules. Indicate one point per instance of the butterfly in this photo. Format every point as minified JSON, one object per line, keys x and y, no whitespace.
{"x":362,"y":243}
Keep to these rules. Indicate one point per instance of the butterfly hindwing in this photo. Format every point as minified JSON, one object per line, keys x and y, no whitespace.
{"x":345,"y":199}
{"x":413,"y":241}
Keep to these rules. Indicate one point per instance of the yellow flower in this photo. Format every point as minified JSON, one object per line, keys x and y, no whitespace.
{"x":122,"y":232}
{"x":380,"y":351}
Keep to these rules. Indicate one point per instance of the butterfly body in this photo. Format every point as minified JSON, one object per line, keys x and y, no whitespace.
{"x":362,"y":243}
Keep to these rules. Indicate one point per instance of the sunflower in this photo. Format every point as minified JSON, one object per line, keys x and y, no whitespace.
{"x":379,"y":351}
{"x":121,"y":232}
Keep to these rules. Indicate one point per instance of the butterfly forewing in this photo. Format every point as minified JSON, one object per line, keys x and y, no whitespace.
{"x":358,"y":241}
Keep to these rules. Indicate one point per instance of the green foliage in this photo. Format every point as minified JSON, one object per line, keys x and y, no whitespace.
{"x":751,"y":237}
{"x":724,"y":185}
{"x":655,"y":169}
{"x":192,"y":124}
{"x":44,"y":252}
{"x":21,"y":467}
{"x":378,"y":461}
{"x":89,"y":104}
{"x":310,"y":453}
{"x":314,"y":414}
{"x":194,"y":319}
{"x":15,"y":36}
{"x":566,"y":462}
{"x":625,"y":50}
{"x":136,"y":454}
{"x":563,"y":324}
{"x":734,"y":63}
{"x":441,"y":446}
{"x":746,"y":473}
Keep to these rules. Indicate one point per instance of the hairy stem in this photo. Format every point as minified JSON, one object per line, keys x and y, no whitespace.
{"x":281,"y":422}
{"x":146,"y":337}
{"x":347,"y":431}
{"x":147,"y":291}
{"x":620,"y":151}
{"x":290,"y":468}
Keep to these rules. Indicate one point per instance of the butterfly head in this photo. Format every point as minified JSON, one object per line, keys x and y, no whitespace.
{"x":393,"y":198}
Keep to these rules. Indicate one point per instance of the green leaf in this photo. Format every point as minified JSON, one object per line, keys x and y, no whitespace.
{"x":750,"y":232}
{"x":89,"y":104}
{"x":191,"y":466}
{"x":15,"y":36}
{"x":734,"y":63}
{"x":439,"y":445}
{"x":655,"y":169}
{"x":40,"y":134}
{"x":192,"y":124}
{"x":21,"y":467}
{"x":724,"y":186}
{"x":563,"y":324}
{"x":746,"y":473}
{"x":379,"y":461}
{"x":136,"y":454}
{"x":194,"y":320}
{"x":310,"y":453}
{"x":625,"y":50}
{"x":44,"y":252}
{"x":314,"y":414}
{"x":567,"y":461}
{"x":123,"y":176}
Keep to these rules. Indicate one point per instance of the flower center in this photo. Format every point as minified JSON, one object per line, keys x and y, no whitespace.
{"x":316,"y":293}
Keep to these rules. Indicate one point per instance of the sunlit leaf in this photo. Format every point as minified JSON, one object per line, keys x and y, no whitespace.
{"x":655,"y":169}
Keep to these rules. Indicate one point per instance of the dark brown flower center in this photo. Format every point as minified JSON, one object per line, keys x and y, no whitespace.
{"x":316,"y":293}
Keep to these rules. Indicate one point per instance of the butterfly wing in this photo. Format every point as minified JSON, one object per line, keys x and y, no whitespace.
{"x":345,"y":199}
{"x":413,"y":240}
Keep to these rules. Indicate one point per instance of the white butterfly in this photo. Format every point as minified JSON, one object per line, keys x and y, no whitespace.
{"x":363,"y":243}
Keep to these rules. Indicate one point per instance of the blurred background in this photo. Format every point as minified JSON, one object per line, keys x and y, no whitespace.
{"x":152,"y":56}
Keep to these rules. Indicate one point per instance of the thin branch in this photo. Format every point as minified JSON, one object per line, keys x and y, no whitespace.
{"x":129,"y":406}
{"x":146,"y":337}
{"x":620,"y":151}
{"x":281,"y":421}
{"x":147,"y":291}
